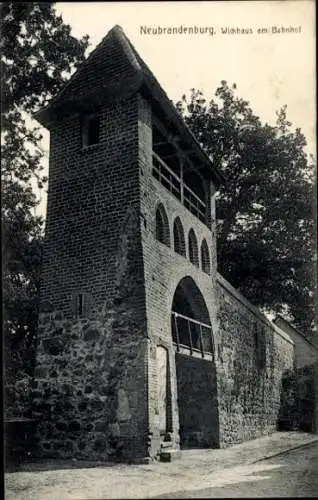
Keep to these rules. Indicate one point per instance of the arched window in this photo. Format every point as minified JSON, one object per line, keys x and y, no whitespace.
{"x":178,"y":237}
{"x":193,"y":249}
{"x":162,"y":226}
{"x":205,"y":257}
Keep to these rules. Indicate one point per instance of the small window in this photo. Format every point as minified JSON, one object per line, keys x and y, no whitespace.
{"x":90,"y":130}
{"x":162,"y":226}
{"x":80,"y":304}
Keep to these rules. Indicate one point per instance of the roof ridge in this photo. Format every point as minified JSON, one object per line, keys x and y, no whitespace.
{"x":82,"y":66}
{"x":147,"y":78}
{"x":113,"y":31}
{"x":128,"y":47}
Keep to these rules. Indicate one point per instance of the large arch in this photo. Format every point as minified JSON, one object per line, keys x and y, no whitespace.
{"x":190,"y":319}
{"x":192,"y":337}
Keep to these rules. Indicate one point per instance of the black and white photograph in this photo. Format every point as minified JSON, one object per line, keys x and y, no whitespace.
{"x":159,"y":249}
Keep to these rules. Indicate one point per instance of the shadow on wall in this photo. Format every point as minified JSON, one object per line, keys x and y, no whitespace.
{"x":197,"y":402}
{"x":287,"y":416}
{"x":297,"y":401}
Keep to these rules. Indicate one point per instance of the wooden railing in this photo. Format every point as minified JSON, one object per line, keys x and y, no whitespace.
{"x":192,"y":334}
{"x":171,"y":181}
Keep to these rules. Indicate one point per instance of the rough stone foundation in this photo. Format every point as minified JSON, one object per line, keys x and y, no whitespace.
{"x":82,"y":401}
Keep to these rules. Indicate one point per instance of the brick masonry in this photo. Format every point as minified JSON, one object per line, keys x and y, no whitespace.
{"x":248,"y":399}
{"x":92,"y":392}
{"x":95,"y":393}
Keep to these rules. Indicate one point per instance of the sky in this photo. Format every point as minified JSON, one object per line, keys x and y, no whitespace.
{"x":270,"y":68}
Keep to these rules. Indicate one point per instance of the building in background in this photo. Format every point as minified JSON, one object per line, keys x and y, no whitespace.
{"x":305,"y":378}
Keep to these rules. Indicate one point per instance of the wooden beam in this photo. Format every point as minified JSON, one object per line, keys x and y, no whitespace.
{"x":182,"y":154}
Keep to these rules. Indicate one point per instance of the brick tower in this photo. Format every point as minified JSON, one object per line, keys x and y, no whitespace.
{"x":127,"y":330}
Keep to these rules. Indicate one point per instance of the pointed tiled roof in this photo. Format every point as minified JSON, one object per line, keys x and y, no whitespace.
{"x":113,"y":69}
{"x":109,"y":69}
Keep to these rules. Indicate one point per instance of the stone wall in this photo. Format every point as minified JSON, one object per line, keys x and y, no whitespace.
{"x":250,"y":354}
{"x":89,"y":392}
{"x":254,"y":356}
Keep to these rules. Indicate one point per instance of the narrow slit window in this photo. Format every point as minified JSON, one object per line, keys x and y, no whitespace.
{"x":80,"y":305}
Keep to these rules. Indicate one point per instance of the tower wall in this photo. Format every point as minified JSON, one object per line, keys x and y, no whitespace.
{"x":164,"y":269}
{"x":90,"y":395}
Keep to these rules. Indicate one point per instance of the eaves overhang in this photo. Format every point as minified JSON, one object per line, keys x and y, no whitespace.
{"x":142,"y":81}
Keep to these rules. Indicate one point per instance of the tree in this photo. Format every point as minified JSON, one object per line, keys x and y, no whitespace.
{"x":38,"y":54}
{"x":265,"y":209}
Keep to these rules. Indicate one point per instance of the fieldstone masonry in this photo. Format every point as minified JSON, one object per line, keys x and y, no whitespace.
{"x":251,"y":392}
{"x":90,"y":390}
{"x":100,"y":391}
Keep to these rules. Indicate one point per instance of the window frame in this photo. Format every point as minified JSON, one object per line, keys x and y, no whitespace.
{"x":86,"y":120}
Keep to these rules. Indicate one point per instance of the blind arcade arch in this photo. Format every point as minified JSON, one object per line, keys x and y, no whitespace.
{"x":162,"y":226}
{"x":178,"y":237}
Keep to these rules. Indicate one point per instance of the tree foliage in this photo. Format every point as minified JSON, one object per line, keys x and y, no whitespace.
{"x":265,"y":209}
{"x":38,"y":54}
